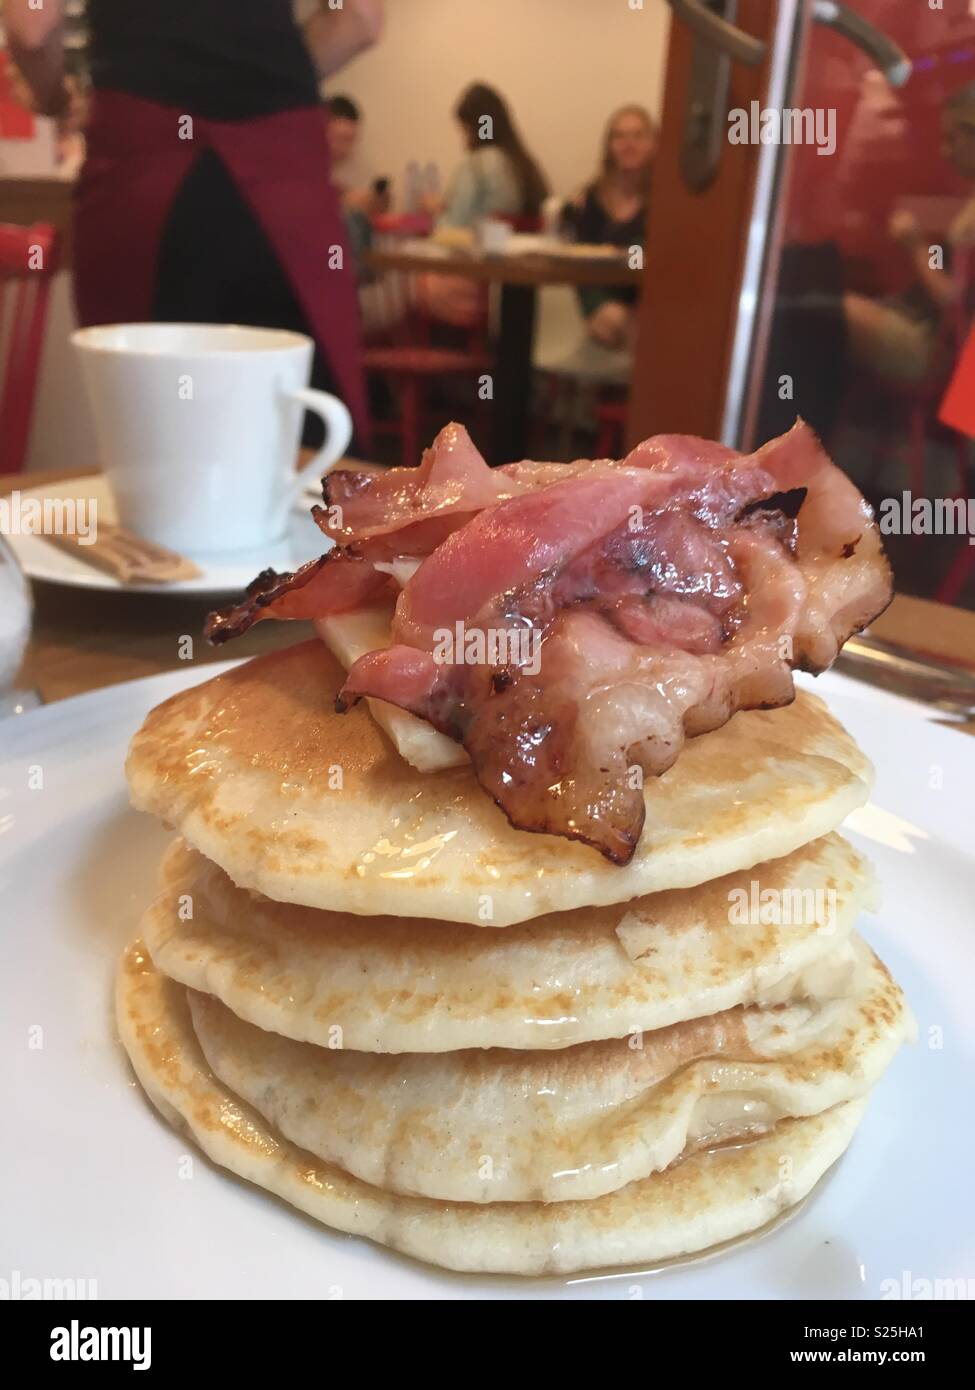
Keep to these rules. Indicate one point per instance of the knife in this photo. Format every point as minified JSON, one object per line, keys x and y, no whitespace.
{"x":905,"y":672}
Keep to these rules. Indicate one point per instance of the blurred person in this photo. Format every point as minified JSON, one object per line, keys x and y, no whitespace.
{"x":612,"y":210}
{"x":358,"y":203}
{"x":898,"y":337}
{"x":497,"y":176}
{"x":344,"y":136}
{"x":344,"y":129}
{"x":827,"y":336}
{"x":205,"y":195}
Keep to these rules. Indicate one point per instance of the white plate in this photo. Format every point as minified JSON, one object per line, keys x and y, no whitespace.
{"x":91,"y":1185}
{"x":581,"y":251}
{"x":537,"y":244}
{"x":223,"y":576}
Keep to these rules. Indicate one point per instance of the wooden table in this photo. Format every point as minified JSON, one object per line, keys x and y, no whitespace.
{"x":86,"y":639}
{"x":532,"y":270}
{"x":520,"y":277}
{"x":83,"y":639}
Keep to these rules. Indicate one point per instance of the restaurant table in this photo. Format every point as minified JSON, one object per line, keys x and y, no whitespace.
{"x":84,"y":639}
{"x":519,"y":277}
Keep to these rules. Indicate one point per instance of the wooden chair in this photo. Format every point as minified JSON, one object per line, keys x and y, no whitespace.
{"x":28,"y":258}
{"x":400,"y":347}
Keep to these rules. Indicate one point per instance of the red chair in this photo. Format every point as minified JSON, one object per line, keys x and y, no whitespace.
{"x":401,"y":349}
{"x":402,"y":223}
{"x":520,"y":222}
{"x":411,"y":368}
{"x":611,"y":418}
{"x":27,"y":262}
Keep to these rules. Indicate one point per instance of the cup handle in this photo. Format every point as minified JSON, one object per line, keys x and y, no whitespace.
{"x":338,"y":433}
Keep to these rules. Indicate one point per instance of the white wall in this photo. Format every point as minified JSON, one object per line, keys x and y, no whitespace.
{"x":564,"y":65}
{"x":63,"y":431}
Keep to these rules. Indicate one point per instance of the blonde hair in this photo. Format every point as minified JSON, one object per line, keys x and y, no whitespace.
{"x":606,"y":167}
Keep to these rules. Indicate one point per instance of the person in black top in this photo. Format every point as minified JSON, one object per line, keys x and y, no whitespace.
{"x":206,"y":195}
{"x":225,"y":61}
{"x":612,"y":210}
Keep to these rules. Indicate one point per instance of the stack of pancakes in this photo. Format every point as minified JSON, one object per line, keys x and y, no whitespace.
{"x":361,"y":989}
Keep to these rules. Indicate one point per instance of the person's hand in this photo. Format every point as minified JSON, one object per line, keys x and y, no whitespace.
{"x":74,"y":117}
{"x":70,"y":126}
{"x":335,"y":34}
{"x":67,"y":103}
{"x":610,"y":323}
{"x":905,"y":229}
{"x":452,"y":299}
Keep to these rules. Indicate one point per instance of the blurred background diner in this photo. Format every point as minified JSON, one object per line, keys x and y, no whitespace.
{"x":512,"y":215}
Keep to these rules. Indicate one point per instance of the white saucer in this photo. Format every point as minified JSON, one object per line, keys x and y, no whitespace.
{"x":224,"y":576}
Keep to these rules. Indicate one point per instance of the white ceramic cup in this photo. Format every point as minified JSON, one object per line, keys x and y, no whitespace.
{"x":198,"y":427}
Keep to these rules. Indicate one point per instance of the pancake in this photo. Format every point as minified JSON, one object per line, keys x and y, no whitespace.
{"x":504,"y":1126}
{"x":707,"y":1199}
{"x":301,"y":804}
{"x":407,"y":985}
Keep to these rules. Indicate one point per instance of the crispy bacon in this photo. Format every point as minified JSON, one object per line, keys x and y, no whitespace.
{"x":624,"y":607}
{"x":376,"y":519}
{"x":835,"y":523}
{"x":664,"y":598}
{"x":337,"y":582}
{"x":419,"y":506}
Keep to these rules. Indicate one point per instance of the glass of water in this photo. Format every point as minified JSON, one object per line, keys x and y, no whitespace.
{"x":16,"y":611}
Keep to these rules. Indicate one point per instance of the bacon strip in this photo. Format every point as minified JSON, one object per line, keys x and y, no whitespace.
{"x":618,"y":608}
{"x":337,"y":582}
{"x":452,"y":483}
{"x":650,"y":628}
